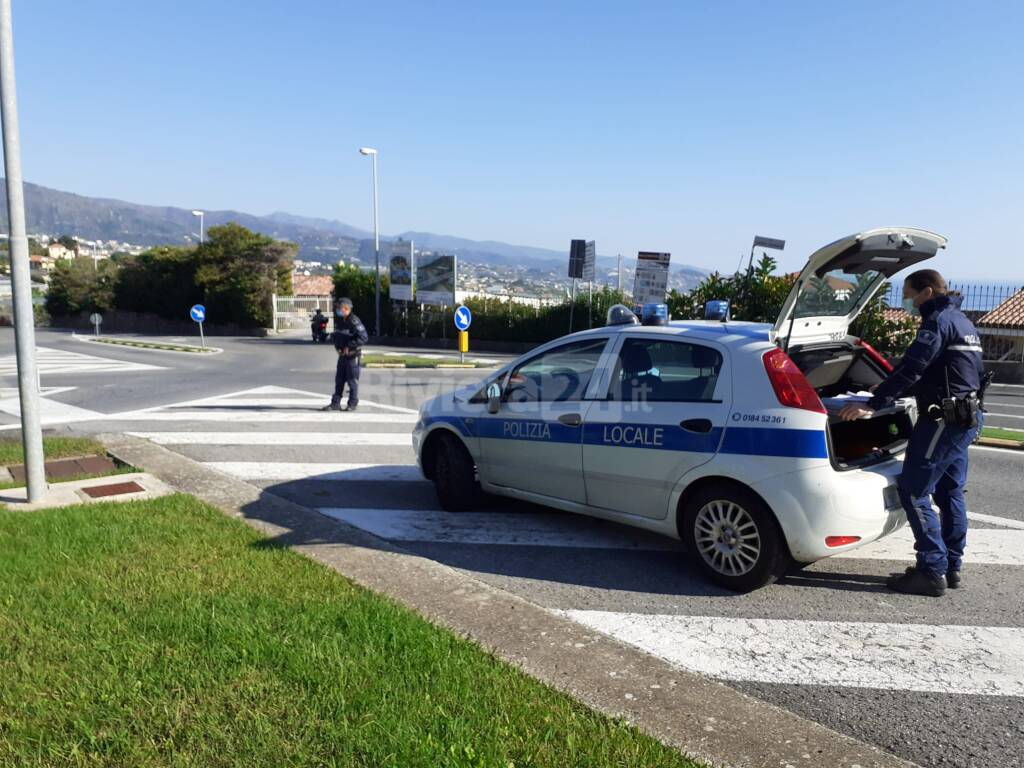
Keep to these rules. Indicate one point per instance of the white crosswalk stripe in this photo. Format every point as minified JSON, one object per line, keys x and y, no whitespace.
{"x":294,"y":470}
{"x":276,"y":438}
{"x":985,"y":661}
{"x":52,"y":361}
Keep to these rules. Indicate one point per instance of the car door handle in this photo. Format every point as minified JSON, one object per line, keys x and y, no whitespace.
{"x":571,"y":419}
{"x":696,"y":425}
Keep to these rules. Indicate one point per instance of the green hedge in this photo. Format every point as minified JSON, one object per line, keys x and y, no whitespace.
{"x":234,"y":273}
{"x":757,"y":297}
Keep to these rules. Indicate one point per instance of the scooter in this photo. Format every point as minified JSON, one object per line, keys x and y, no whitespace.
{"x":319,"y":328}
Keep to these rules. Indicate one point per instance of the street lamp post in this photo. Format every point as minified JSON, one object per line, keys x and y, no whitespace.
{"x":200,"y":214}
{"x":372,"y":153}
{"x":21,"y":281}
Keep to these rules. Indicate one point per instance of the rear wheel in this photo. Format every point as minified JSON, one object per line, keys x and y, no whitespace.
{"x":455,"y":476}
{"x":734,"y":537}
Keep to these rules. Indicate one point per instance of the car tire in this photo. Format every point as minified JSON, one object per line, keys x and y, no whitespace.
{"x":734,"y":537}
{"x":455,"y":476}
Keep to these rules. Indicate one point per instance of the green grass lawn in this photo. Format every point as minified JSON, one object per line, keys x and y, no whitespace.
{"x":53,"y":447}
{"x":163,"y":633}
{"x":1003,"y":434}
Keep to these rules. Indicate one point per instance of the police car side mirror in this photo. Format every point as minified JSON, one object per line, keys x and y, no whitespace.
{"x":493,"y":398}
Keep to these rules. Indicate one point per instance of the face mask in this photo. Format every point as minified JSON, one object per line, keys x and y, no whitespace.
{"x":908,"y":305}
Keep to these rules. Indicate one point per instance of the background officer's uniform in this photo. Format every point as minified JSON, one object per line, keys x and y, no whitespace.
{"x":349,"y":337}
{"x":944,"y":361}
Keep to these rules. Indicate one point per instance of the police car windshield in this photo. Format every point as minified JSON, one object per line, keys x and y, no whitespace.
{"x":834,"y":294}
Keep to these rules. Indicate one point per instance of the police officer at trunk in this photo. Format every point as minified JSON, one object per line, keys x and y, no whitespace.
{"x":943,"y":370}
{"x":349,"y":337}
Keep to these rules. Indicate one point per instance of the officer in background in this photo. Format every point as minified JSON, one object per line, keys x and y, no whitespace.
{"x":349,"y":337}
{"x":943,"y":370}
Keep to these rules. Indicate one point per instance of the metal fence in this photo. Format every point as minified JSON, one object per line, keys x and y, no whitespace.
{"x":296,"y":311}
{"x":978,"y":300}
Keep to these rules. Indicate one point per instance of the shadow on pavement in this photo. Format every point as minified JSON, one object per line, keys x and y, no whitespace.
{"x":645,"y":562}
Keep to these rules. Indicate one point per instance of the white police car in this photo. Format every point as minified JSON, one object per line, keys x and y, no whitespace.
{"x":717,"y":433}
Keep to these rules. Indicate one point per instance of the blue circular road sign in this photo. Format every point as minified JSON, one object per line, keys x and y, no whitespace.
{"x":463,"y":317}
{"x":197,"y":313}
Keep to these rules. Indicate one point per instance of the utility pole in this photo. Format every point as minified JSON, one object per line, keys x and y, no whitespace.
{"x":21,"y":279}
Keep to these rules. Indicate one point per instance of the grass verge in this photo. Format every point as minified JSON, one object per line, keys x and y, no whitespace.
{"x":1003,"y":434}
{"x":162,"y":633}
{"x":11,"y":451}
{"x":413,"y":361}
{"x":166,"y":346}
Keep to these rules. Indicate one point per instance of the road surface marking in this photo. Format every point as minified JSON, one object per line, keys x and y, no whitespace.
{"x":53,"y":361}
{"x":986,"y":661}
{"x":51,"y":412}
{"x":286,"y":470}
{"x":277,"y":415}
{"x":985,"y":546}
{"x":990,"y":414}
{"x":528,"y":529}
{"x":277,"y":438}
{"x":1006,"y":522}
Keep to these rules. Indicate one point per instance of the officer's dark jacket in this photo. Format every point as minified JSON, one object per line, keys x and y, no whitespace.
{"x":350,"y":332}
{"x":946,"y":342}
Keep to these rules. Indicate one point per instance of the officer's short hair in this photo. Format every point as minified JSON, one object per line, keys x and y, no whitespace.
{"x":928,"y":278}
{"x":343,"y":302}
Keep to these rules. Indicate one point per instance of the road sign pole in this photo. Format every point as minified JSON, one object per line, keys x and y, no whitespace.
{"x":202,"y":338}
{"x":21,"y":278}
{"x":572,"y":306}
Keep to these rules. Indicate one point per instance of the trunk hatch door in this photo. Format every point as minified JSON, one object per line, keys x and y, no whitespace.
{"x":840,"y":279}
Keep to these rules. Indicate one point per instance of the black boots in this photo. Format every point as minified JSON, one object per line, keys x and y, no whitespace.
{"x":913,"y":582}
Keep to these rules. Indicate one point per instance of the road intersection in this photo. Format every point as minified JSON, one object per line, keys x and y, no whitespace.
{"x":933,"y":681}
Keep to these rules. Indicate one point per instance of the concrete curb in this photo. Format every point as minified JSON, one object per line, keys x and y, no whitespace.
{"x":703,"y":718}
{"x":146,"y":346}
{"x":998,"y":442}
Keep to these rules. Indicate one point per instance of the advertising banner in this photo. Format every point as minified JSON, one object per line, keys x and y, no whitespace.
{"x":651,"y":285}
{"x":400,"y":270}
{"x":436,"y":279}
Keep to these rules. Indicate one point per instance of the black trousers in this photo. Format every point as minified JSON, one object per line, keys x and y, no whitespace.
{"x":347,"y":373}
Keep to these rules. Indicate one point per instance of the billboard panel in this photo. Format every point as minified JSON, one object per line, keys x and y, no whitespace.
{"x":436,"y":279}
{"x":400,"y":270}
{"x":651,"y":277}
{"x":589,"y":257}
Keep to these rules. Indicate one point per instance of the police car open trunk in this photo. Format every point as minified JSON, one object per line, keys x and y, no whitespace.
{"x":835,"y":286}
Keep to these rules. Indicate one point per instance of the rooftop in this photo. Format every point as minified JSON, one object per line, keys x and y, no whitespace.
{"x":1009,"y":314}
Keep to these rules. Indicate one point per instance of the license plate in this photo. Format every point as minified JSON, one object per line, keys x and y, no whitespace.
{"x":891,"y":496}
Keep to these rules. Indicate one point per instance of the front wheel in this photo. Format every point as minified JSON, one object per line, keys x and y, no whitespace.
{"x":734,"y":537}
{"x":455,"y":476}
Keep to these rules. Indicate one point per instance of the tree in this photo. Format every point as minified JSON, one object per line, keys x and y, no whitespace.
{"x":68,"y":242}
{"x":76,"y":285}
{"x":239,"y":270}
{"x":160,"y":280}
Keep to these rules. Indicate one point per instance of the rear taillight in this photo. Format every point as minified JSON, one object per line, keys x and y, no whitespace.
{"x":841,"y":541}
{"x":790,"y":385}
{"x":875,"y":355}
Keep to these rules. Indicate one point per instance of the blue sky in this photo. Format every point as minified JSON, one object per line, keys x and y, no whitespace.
{"x":686,"y":127}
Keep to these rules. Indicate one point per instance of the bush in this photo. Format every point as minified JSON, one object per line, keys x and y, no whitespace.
{"x":235,"y":272}
{"x":80,"y":285}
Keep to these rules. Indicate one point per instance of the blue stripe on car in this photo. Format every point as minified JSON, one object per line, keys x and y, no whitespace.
{"x":746,"y":441}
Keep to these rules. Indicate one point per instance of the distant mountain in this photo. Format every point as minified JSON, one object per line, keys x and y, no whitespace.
{"x":52,"y":212}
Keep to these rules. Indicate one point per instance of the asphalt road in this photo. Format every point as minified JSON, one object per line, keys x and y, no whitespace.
{"x":939,"y":682}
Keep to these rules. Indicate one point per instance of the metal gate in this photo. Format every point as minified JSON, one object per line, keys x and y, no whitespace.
{"x":292,"y":312}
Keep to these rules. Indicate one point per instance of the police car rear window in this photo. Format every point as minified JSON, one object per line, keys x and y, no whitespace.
{"x":665,"y":372}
